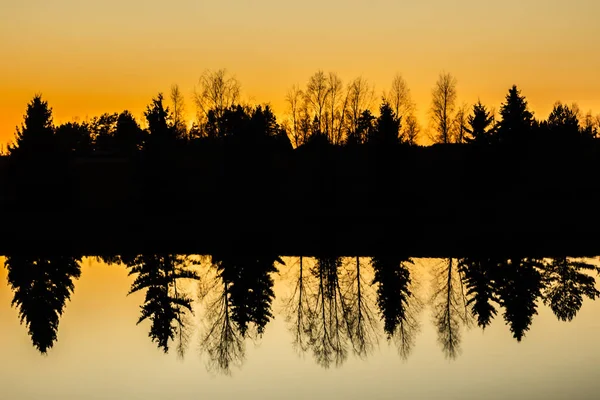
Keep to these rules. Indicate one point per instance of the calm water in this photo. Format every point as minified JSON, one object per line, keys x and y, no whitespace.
{"x":331,"y":342}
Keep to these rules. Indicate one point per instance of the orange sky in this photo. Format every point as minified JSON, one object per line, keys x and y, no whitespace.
{"x":91,"y":57}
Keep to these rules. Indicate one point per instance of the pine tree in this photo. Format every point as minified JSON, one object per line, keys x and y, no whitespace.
{"x":517,"y":121}
{"x":36,"y":135}
{"x":480,"y":129}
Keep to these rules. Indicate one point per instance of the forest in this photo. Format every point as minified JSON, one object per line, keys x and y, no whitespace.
{"x":335,"y":175}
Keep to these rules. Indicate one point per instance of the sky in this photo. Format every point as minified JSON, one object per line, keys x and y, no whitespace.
{"x":90,"y":57}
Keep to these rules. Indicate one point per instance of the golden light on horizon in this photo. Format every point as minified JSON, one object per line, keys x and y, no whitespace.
{"x":106,"y":56}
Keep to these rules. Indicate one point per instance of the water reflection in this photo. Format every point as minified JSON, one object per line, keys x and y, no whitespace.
{"x":166,"y":304}
{"x":336,"y":306}
{"x":238,"y":304}
{"x":42,"y":287}
{"x":398,"y":305}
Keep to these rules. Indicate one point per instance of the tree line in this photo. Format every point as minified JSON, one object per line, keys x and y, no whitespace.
{"x":324,"y":111}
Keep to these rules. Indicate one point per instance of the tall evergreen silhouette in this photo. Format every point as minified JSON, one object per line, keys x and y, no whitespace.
{"x":516,"y":122}
{"x":42,"y":287}
{"x":386,"y":131}
{"x":35,"y":137}
{"x":481,"y":125}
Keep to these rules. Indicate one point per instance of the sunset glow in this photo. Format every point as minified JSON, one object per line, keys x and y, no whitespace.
{"x":92,"y":57}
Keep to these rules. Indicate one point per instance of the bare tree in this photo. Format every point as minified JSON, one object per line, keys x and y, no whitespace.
{"x":442,"y":107}
{"x":221,"y":339}
{"x":294,"y":99}
{"x":399,"y":97}
{"x":410,"y":130}
{"x":317,"y":92}
{"x":178,"y":111}
{"x":459,"y":123}
{"x":329,"y":315}
{"x":336,"y":107}
{"x":216,"y":91}
{"x":297,"y":310}
{"x":363,"y":324}
{"x":360,"y":97}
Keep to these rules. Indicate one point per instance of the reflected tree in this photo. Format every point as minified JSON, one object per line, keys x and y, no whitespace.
{"x":166,"y":305}
{"x":479,"y":281}
{"x":518,"y":288}
{"x":363,"y":322}
{"x":42,"y":287}
{"x":450,"y":309}
{"x":397,"y":304}
{"x":250,"y":288}
{"x":242,"y":297}
{"x":566,"y":284}
{"x":221,"y":341}
{"x":329,"y":314}
{"x":297,"y":309}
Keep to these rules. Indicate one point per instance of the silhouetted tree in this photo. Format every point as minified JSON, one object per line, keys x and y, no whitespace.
{"x":74,"y":139}
{"x":481,"y":125}
{"x":459,"y":129}
{"x":128,"y":137}
{"x":165,"y":304}
{"x":364,"y":129}
{"x":102,"y":129}
{"x":36,"y":135}
{"x":516,"y":120}
{"x":563,"y":127}
{"x":359,"y":101}
{"x":162,"y":137}
{"x":336,"y":103}
{"x":294,"y":99}
{"x":410,"y":130}
{"x":42,"y":287}
{"x":387,"y":128}
{"x":216,"y":92}
{"x":565,"y":285}
{"x":400,"y":100}
{"x":178,"y":119}
{"x":316,"y":93}
{"x":442,"y":107}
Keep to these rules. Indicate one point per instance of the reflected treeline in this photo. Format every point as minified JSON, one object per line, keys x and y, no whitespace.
{"x":332,"y":309}
{"x":337,"y":306}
